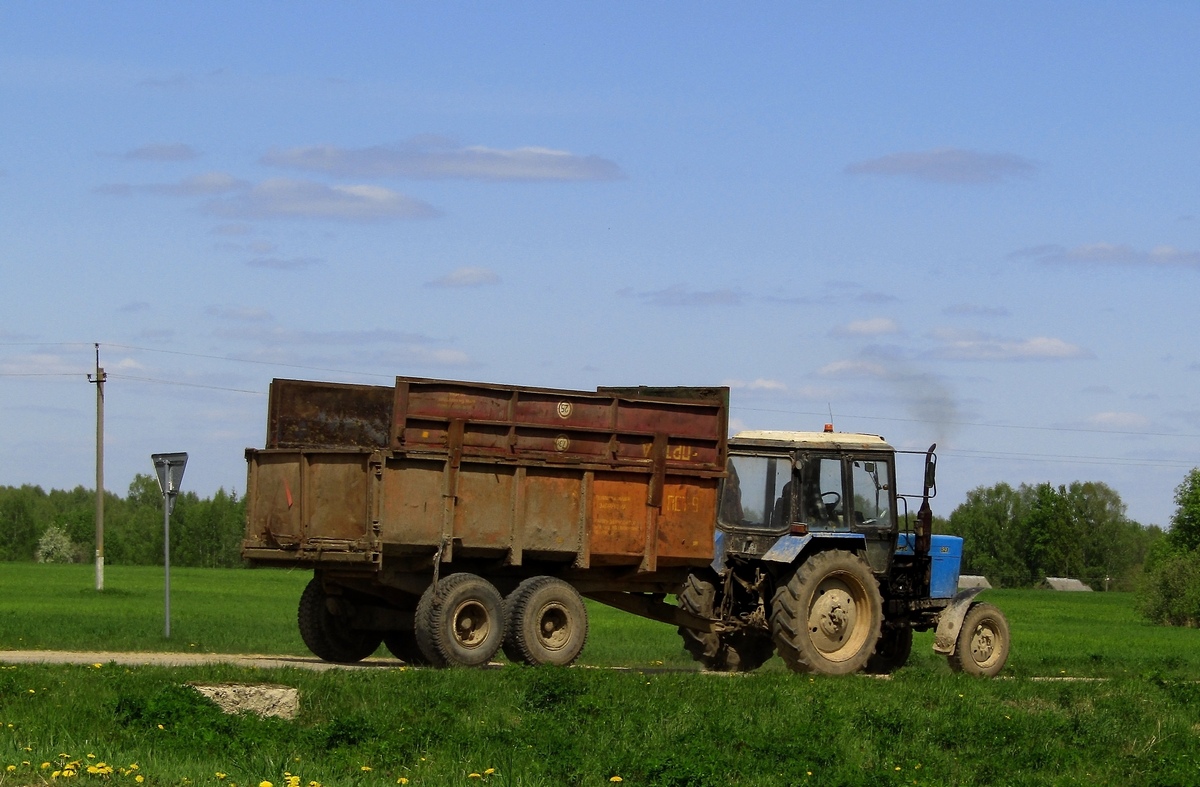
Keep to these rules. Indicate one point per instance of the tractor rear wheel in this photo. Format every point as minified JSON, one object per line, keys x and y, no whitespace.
{"x":742,"y":651}
{"x":827,"y":618}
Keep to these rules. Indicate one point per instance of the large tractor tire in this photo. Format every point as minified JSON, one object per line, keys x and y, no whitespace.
{"x":983,"y":640}
{"x":545,"y":623}
{"x":330,"y":636}
{"x":460,"y":621}
{"x":737,"y":652}
{"x":827,"y":618}
{"x":891,"y":652}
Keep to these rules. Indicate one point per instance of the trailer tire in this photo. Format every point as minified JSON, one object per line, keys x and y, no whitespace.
{"x":891,"y":652}
{"x":545,"y":622}
{"x":983,"y":641}
{"x":330,"y":637}
{"x":737,"y":652}
{"x":403,"y":645}
{"x":827,"y":617}
{"x":460,"y":621}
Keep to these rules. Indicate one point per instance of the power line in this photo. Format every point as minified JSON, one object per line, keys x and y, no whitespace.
{"x":185,"y":385}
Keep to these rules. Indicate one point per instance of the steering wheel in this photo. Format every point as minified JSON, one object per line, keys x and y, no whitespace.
{"x":831,"y":504}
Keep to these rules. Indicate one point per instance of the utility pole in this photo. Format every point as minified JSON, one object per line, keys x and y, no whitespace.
{"x":98,"y":380}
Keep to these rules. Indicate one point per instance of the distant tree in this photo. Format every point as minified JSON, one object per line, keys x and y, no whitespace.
{"x":1185,"y":523}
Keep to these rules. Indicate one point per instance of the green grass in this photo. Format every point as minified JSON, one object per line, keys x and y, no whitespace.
{"x":662,"y":724}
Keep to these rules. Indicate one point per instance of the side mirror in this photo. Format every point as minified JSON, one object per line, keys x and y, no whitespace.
{"x":931,"y":468}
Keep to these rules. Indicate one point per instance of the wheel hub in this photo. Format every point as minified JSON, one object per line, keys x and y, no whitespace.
{"x":471,"y":624}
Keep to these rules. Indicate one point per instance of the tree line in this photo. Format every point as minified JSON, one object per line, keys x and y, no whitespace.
{"x":60,"y":526}
{"x":1017,"y":537}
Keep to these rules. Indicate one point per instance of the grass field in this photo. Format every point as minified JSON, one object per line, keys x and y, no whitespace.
{"x":1136,"y":721}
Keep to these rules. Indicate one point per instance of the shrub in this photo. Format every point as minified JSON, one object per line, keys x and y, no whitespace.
{"x":55,"y":546}
{"x":1170,"y":592}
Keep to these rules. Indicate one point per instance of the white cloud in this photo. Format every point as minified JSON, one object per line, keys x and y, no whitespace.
{"x":284,"y":264}
{"x":37,"y":364}
{"x":1091,"y":254}
{"x":285,"y":198}
{"x":851,"y":369}
{"x":970,"y":346}
{"x":681,"y":295}
{"x":204,"y":185}
{"x":436,"y":158}
{"x":877,"y":326}
{"x":760,"y":384}
{"x":947,"y":165}
{"x":170,"y":152}
{"x":238,"y":313}
{"x":466,"y":277}
{"x":1114,"y":420}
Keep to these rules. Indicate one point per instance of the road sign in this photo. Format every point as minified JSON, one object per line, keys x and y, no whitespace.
{"x":170,"y":473}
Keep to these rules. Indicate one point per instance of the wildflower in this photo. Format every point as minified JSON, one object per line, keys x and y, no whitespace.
{"x":616,"y":779}
{"x":314,"y":784}
{"x":31,"y":691}
{"x":11,"y":768}
{"x":45,"y":765}
{"x":163,"y":728}
{"x":897,"y":767}
{"x":474,"y":776}
{"x":91,"y":756}
{"x":133,"y":766}
{"x":402,"y":780}
{"x":366,"y":769}
{"x":56,"y":774}
{"x":139,"y":778}
{"x":221,"y":775}
{"x":489,"y":771}
{"x":97,"y":666}
{"x":265,"y":784}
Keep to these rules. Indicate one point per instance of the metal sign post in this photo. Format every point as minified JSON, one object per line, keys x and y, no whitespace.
{"x":169,"y":468}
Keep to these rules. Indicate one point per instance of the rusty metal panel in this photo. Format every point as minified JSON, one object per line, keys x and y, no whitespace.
{"x":483,"y":515}
{"x":618,"y":517}
{"x":411,"y":509}
{"x":328,"y":415}
{"x":273,"y":497}
{"x":336,"y":502}
{"x":551,"y":511}
{"x":687,"y":505}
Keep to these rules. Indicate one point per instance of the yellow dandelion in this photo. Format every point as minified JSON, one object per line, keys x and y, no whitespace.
{"x":97,"y":666}
{"x":91,"y":756}
{"x":314,"y":784}
{"x":45,"y":765}
{"x":221,"y":775}
{"x":133,"y":766}
{"x":365,"y":769}
{"x":11,"y":768}
{"x":474,"y":776}
{"x":616,"y":779}
{"x":402,"y":780}
{"x":265,"y":784}
{"x":139,"y":778}
{"x":56,"y":774}
{"x":897,"y":767}
{"x":161,"y":727}
{"x":31,"y":691}
{"x":489,"y":771}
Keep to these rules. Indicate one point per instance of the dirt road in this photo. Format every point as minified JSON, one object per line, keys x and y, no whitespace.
{"x":185,"y":660}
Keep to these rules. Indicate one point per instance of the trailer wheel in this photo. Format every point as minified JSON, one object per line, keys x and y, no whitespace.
{"x":403,"y":645}
{"x":545,"y":623}
{"x":737,"y":652}
{"x":460,"y":621}
{"x":982,"y":646}
{"x":891,"y":652}
{"x":827,"y":618}
{"x":330,"y":636}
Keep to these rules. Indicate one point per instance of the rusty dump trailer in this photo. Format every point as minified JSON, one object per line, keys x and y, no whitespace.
{"x":436,"y":514}
{"x":449,"y":519}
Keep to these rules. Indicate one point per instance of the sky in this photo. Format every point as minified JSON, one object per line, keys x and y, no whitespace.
{"x":976,"y":225}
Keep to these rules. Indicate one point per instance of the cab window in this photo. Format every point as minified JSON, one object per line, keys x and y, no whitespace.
{"x":756,"y":492}
{"x":821,"y":504}
{"x":872,"y":495}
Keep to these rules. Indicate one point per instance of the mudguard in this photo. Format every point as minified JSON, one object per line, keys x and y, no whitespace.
{"x":950,"y":621}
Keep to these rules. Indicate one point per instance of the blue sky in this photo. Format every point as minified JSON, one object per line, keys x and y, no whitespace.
{"x":976,"y":226}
